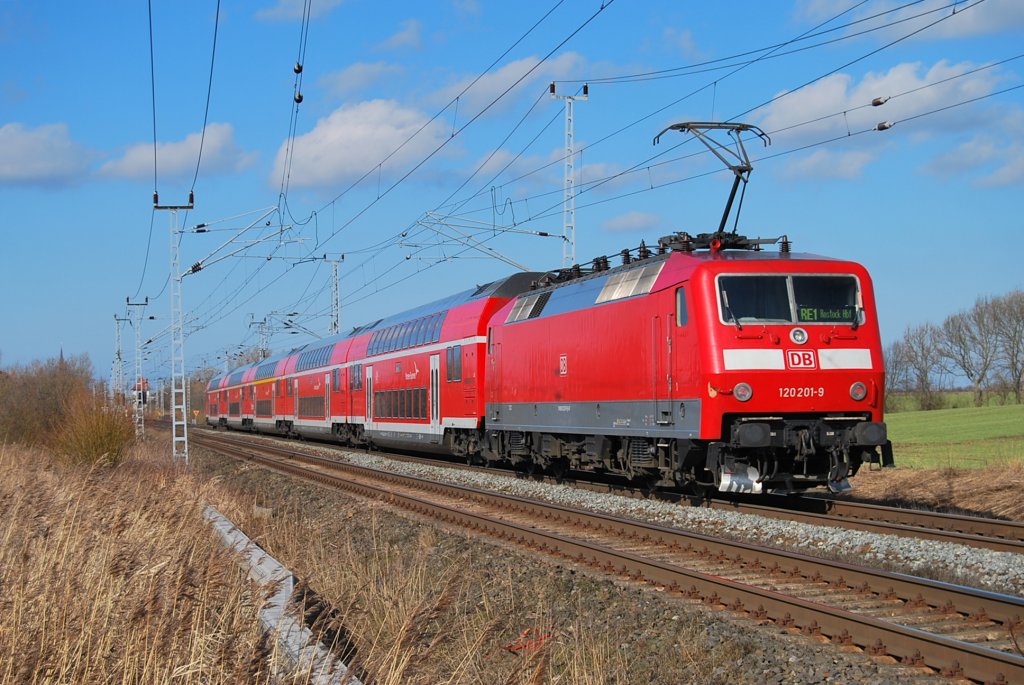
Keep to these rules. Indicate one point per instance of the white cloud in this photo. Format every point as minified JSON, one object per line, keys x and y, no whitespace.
{"x":220,"y":154}
{"x":838,"y":93}
{"x":972,"y":19}
{"x":407,"y":37}
{"x":358,"y":76}
{"x":45,"y":155}
{"x":994,"y":161}
{"x":822,"y":164}
{"x":1011,"y":172}
{"x":681,"y":41}
{"x":287,"y":10}
{"x":493,"y":84}
{"x":467,"y":6}
{"x":837,"y":106}
{"x":355,"y":138}
{"x":633,"y":221}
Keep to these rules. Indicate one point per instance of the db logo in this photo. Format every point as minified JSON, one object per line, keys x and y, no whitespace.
{"x":800,"y":359}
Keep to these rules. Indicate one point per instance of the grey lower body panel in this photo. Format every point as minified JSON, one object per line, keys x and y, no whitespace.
{"x":312,"y":431}
{"x":676,"y":418}
{"x":405,"y":439}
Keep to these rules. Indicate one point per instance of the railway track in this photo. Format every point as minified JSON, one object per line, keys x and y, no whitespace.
{"x":954,"y":630}
{"x":974,"y":531}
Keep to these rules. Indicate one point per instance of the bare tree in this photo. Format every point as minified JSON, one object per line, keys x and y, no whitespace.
{"x":897,"y":371}
{"x":968,"y":344}
{"x":924,"y":363}
{"x":1008,"y":329}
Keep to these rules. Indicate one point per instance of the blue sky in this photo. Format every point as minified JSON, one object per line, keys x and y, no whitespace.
{"x":421,"y":120}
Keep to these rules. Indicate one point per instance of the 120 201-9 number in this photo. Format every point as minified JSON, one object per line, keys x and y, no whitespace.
{"x":798,"y":392}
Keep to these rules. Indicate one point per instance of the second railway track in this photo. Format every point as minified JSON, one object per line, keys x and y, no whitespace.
{"x":975,"y":531}
{"x":955,"y":630}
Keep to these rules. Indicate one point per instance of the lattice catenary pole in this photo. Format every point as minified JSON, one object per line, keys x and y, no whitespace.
{"x":569,"y":196}
{"x":138,"y":408}
{"x":179,"y":384}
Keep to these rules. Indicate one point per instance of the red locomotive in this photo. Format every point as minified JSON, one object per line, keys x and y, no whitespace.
{"x":707,"y":361}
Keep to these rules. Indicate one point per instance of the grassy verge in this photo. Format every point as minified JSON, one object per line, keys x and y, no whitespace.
{"x":110,"y":575}
{"x":970,"y":437}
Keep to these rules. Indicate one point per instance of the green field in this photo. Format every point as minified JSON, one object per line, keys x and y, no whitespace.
{"x":970,"y":437}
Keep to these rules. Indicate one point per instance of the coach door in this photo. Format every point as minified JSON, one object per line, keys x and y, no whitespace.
{"x":327,"y":395}
{"x":369,"y":398}
{"x":435,"y":394}
{"x":661,"y":346}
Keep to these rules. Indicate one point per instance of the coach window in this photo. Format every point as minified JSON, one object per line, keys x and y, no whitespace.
{"x":435,"y":328}
{"x":336,"y":380}
{"x":681,"y":314}
{"x":408,"y":338}
{"x":454,"y":359}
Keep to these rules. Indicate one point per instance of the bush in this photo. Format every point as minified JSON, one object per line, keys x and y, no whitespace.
{"x":92,"y":432}
{"x":33,"y":397}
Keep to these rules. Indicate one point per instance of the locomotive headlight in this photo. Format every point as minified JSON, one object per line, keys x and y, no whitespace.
{"x":742,"y":392}
{"x":798,"y":335}
{"x":858,"y":391}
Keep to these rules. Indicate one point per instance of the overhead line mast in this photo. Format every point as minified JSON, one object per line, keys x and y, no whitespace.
{"x":117,"y":377}
{"x":179,"y":386}
{"x":569,"y":197}
{"x":138,"y":389}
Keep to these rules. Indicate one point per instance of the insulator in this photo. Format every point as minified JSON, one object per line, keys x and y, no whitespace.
{"x":156,"y":198}
{"x":625,"y":257}
{"x":883,"y":125}
{"x":586,"y":90}
{"x":298,"y":98}
{"x":785,"y":246}
{"x":552,"y":88}
{"x":643,"y":252}
{"x":298,"y":68}
{"x":878,"y":102}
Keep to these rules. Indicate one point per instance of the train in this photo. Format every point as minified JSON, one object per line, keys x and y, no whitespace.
{"x":709,"y":361}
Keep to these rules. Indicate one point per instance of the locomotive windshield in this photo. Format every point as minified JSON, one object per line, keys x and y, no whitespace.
{"x":804,"y":299}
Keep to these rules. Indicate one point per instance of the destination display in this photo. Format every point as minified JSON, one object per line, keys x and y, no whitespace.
{"x":809,"y":314}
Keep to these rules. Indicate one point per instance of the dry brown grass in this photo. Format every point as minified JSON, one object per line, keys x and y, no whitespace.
{"x":993,"y":490}
{"x":422,"y":608}
{"x":111,"y":576}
